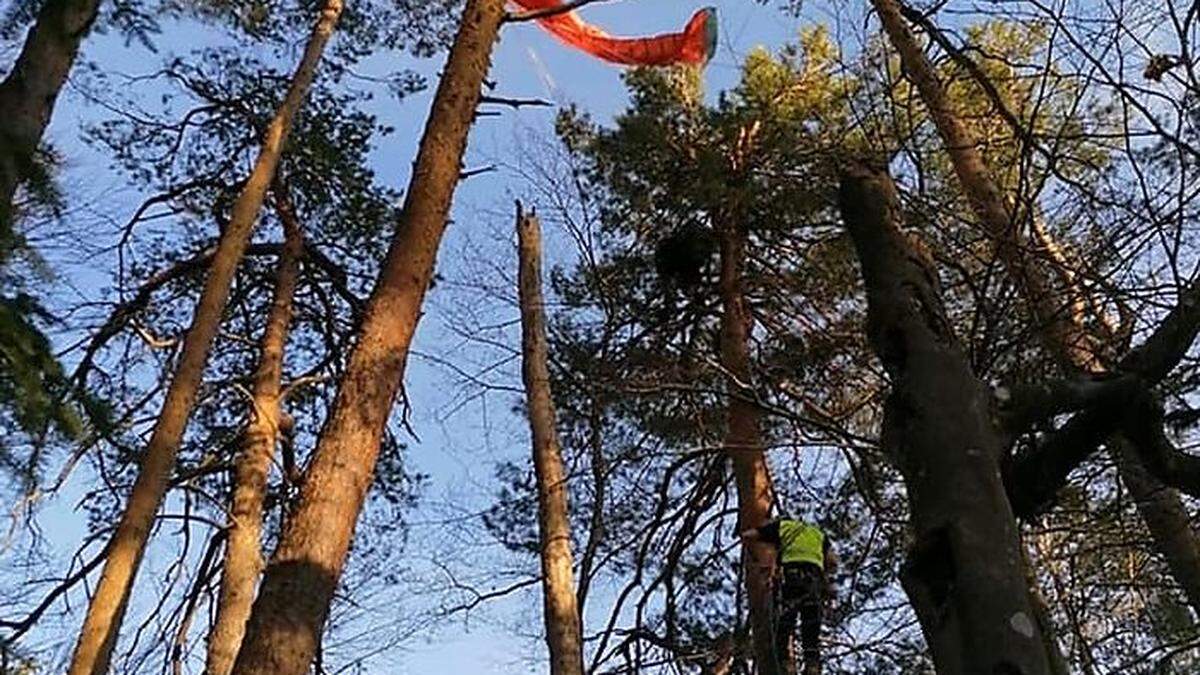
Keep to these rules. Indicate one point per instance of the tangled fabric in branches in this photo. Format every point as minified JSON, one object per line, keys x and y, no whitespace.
{"x":695,"y":45}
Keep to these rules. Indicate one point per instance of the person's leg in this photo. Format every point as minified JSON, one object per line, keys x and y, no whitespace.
{"x":791,"y":593}
{"x":810,"y":623}
{"x":785,"y":632}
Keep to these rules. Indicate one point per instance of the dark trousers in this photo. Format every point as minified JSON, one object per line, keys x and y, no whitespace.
{"x":801,"y":589}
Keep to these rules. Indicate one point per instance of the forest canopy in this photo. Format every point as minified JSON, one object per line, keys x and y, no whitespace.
{"x":573,"y":337}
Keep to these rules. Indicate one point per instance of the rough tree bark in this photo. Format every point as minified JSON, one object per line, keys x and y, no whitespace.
{"x":28,"y":94}
{"x":744,"y":445}
{"x":293,"y":601}
{"x":561,"y":611}
{"x":1071,"y":343}
{"x":964,"y":574}
{"x":107,"y":608}
{"x":243,"y":550}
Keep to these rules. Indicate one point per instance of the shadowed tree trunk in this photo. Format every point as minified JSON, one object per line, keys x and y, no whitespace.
{"x":1166,"y":517}
{"x":1073,"y":345}
{"x":107,"y":608}
{"x":293,"y":601}
{"x":243,"y":551}
{"x":964,"y":573}
{"x":28,"y":94}
{"x":561,"y":612}
{"x":744,"y":446}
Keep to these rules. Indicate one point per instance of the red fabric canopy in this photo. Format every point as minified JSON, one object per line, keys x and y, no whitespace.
{"x":695,"y":45}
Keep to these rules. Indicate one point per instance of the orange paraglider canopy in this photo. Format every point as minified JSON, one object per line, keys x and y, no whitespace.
{"x":695,"y":45}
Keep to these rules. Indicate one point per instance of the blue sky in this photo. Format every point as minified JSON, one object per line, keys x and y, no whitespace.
{"x":459,"y":455}
{"x":529,"y":63}
{"x":460,"y":436}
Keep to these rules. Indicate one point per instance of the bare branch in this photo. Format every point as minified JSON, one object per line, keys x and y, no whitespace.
{"x":547,"y":12}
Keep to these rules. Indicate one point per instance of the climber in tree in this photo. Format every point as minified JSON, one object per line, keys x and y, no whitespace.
{"x":806,"y":561}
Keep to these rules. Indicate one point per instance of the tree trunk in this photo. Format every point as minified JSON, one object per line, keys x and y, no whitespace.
{"x":28,"y":94}
{"x":744,"y":446}
{"x":243,"y":552}
{"x":983,"y":194}
{"x":293,"y":602}
{"x":1068,"y":340}
{"x":964,"y":574}
{"x":1165,"y":516}
{"x":561,"y":612}
{"x":107,"y":606}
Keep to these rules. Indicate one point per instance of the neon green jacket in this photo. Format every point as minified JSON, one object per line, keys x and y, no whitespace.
{"x":801,"y":543}
{"x":798,"y":542}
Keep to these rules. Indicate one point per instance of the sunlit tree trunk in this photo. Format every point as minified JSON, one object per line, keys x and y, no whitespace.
{"x":28,"y":93}
{"x":243,"y":551}
{"x":1066,"y":338}
{"x":107,"y":608}
{"x":983,"y":194}
{"x":561,"y":612}
{"x":744,"y":445}
{"x":964,"y":573}
{"x":293,"y":601}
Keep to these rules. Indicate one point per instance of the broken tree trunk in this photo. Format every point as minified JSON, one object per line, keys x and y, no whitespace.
{"x":243,"y":550}
{"x":28,"y":94}
{"x":1072,"y":344}
{"x":561,"y":612}
{"x":107,"y":608}
{"x":293,"y":601}
{"x":964,"y":574}
{"x":744,"y":446}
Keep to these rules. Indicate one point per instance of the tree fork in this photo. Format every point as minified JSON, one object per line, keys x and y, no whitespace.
{"x":107,"y":607}
{"x":1070,"y":343}
{"x":289,"y":614}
